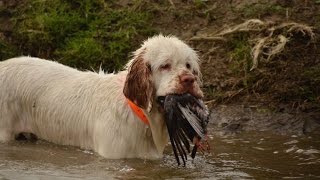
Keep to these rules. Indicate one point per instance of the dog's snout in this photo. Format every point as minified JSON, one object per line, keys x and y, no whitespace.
{"x":187,"y":80}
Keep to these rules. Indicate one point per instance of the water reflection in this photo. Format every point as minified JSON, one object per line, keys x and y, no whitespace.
{"x":243,"y":156}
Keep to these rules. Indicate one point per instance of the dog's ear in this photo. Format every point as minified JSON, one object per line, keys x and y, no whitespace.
{"x":138,"y":85}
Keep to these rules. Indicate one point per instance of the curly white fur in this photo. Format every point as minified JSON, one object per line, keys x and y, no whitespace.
{"x":86,"y":109}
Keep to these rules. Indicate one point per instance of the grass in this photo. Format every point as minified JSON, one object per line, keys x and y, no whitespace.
{"x":6,"y":50}
{"x":239,"y":53}
{"x":83,"y":34}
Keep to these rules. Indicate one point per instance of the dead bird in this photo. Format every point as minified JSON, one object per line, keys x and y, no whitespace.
{"x":187,"y":118}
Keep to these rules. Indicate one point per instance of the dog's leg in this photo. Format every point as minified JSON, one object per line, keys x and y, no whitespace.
{"x":6,"y":133}
{"x":6,"y":121}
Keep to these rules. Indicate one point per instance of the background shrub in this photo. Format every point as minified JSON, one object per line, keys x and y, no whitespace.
{"x":83,"y":34}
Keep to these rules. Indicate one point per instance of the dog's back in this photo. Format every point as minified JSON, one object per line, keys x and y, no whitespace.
{"x":29,"y":91}
{"x":48,"y":99}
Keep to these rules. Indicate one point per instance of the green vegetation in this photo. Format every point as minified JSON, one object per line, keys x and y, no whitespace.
{"x":6,"y":50}
{"x":84,"y":34}
{"x":199,"y":3}
{"x":240,"y":54}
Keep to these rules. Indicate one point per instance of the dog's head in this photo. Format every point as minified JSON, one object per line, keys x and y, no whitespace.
{"x":162,"y":65}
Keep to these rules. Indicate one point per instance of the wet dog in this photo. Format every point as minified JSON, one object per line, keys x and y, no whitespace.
{"x":115,"y":115}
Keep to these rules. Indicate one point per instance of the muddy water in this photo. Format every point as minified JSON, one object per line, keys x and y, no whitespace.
{"x":243,"y":156}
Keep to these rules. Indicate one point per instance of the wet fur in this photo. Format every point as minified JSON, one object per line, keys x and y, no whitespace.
{"x":90,"y":110}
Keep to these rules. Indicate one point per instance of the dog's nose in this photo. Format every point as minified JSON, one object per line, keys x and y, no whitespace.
{"x":187,"y":80}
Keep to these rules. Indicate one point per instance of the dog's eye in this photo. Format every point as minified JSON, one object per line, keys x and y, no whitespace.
{"x":188,"y":66}
{"x":165,"y":67}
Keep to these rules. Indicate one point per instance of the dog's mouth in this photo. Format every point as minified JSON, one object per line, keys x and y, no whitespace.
{"x":187,"y":118}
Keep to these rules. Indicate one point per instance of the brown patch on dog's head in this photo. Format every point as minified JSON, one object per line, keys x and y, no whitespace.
{"x":138,"y":85}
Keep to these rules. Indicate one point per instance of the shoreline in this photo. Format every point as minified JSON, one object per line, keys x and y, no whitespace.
{"x":236,"y":118}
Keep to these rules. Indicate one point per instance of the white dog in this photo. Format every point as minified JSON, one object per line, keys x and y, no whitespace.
{"x":98,"y":111}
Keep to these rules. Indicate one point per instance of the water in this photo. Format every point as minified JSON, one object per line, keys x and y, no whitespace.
{"x":250,"y":155}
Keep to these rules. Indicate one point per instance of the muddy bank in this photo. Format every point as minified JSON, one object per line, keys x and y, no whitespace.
{"x":237,"y":118}
{"x":282,"y":93}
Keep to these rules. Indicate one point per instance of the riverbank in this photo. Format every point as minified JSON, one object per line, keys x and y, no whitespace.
{"x":258,"y":74}
{"x":261,"y":75}
{"x":237,"y":118}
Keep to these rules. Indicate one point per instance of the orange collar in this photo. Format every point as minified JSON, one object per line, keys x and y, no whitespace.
{"x":138,"y":112}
